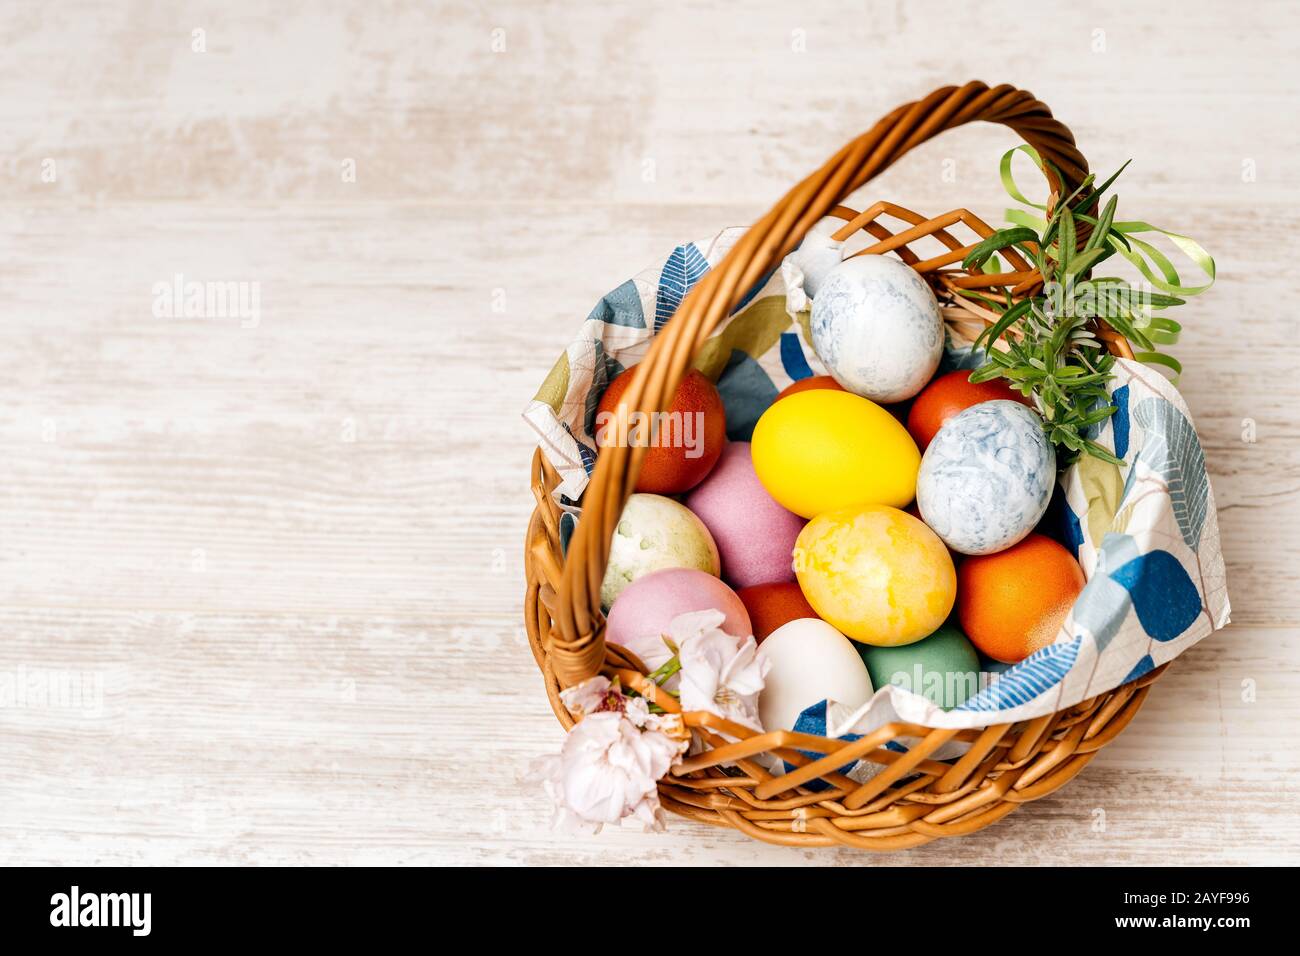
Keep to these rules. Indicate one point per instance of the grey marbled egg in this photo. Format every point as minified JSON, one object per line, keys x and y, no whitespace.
{"x":987,"y":477}
{"x":876,"y":326}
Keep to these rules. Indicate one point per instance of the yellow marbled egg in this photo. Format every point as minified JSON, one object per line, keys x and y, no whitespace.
{"x":876,"y":573}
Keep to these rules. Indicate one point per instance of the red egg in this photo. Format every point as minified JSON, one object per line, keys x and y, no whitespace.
{"x":773,"y":605}
{"x":806,"y":384}
{"x":949,"y":394}
{"x":684,"y":442}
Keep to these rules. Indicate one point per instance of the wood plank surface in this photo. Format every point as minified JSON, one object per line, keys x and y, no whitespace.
{"x":280,"y":558}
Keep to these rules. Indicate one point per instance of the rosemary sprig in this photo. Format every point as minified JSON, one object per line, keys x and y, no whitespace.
{"x":1051,"y":352}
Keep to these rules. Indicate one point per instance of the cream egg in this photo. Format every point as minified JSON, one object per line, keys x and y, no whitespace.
{"x":811,"y":662}
{"x":654,"y":533}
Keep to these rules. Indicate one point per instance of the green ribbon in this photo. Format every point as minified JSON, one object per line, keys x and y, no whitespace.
{"x":1009,"y":181}
{"x":1137,"y":251}
{"x":1153,"y":264}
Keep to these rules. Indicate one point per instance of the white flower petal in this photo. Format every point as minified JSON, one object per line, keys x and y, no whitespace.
{"x":587,"y":697}
{"x":608,"y":769}
{"x":721,"y":673}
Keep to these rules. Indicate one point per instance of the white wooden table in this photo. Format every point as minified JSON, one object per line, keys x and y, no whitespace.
{"x":282,"y":557}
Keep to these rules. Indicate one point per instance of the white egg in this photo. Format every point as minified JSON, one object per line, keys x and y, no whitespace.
{"x":876,"y":326}
{"x":986,"y":478}
{"x":811,"y":662}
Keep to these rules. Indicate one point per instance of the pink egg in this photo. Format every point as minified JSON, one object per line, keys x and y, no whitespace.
{"x":643,"y":610}
{"x":754,"y":534}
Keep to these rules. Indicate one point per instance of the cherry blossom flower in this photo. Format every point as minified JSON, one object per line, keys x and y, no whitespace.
{"x":720,"y":673}
{"x":612,"y":759}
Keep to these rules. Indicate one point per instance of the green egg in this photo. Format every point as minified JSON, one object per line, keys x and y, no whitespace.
{"x":943,"y":668}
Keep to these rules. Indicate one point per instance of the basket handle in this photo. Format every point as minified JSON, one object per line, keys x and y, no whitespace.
{"x":577,"y":642}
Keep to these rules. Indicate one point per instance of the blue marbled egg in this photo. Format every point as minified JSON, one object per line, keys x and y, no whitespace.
{"x":987,"y":477}
{"x":876,"y":326}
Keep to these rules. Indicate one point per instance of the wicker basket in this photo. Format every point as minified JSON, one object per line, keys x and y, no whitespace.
{"x":914,"y":799}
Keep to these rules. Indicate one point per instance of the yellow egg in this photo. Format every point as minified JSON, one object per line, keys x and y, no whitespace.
{"x":876,"y":573}
{"x":821,"y":450}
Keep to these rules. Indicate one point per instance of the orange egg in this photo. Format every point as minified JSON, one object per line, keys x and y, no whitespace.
{"x":949,"y":394}
{"x":683,"y":443}
{"x":1013,"y":603}
{"x":772,"y":605}
{"x":807,"y":384}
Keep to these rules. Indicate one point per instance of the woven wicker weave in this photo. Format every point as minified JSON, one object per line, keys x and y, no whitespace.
{"x":914,"y":799}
